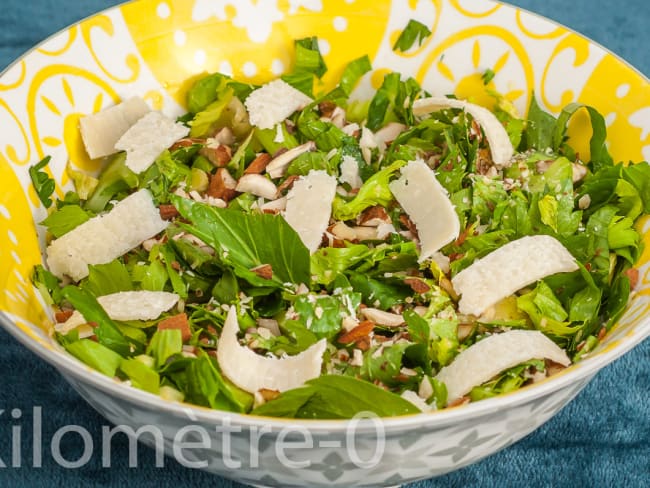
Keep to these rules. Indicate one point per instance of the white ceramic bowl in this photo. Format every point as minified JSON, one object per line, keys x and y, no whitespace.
{"x":149,"y":48}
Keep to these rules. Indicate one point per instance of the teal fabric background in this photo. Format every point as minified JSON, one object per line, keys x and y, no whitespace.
{"x":601,"y":439}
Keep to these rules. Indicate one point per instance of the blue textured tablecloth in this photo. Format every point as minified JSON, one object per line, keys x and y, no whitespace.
{"x":601,"y":439}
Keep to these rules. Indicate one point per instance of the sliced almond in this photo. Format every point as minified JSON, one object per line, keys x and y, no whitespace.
{"x":258,"y":185}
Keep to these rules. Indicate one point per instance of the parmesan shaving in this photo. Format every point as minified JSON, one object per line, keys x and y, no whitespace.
{"x":508,"y":269}
{"x":487,"y":358}
{"x":252,"y":372}
{"x":426,"y":202}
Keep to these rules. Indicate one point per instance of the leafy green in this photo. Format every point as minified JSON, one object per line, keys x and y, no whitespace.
{"x":321,"y":314}
{"x":205,"y":91}
{"x":308,"y":58}
{"x":393,"y":102}
{"x":164,"y":344}
{"x":413,"y":32}
{"x":545,"y":311}
{"x":236,"y":238}
{"x":353,"y":72}
{"x":106,"y":331}
{"x":509,"y":380}
{"x":84,"y":184}
{"x":41,"y":181}
{"x":384,"y":367}
{"x":321,"y":398}
{"x":208,"y":117}
{"x":600,"y":156}
{"x":141,"y":375}
{"x":95,"y":355}
{"x":374,"y":191}
{"x":116,"y":177}
{"x":65,"y":219}
{"x":540,"y":129}
{"x":379,"y":292}
{"x":104,"y":279}
{"x":48,"y":285}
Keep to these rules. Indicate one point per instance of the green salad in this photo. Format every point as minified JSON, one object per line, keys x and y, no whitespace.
{"x":286,"y":251}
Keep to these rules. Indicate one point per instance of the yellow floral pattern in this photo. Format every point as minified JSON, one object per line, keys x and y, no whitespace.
{"x":153,"y":47}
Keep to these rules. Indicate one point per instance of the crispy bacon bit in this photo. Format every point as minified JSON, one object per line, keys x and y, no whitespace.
{"x":408,"y":224}
{"x":175,"y":265}
{"x":93,"y":324}
{"x":417,"y":285}
{"x":363,"y":344}
{"x":287,"y":184}
{"x":219,"y":156}
{"x":601,"y":333}
{"x":222,"y":185}
{"x":167,"y":211}
{"x":326,"y":108}
{"x":269,"y":395}
{"x":459,"y":401}
{"x":62,"y":315}
{"x":263,"y":271}
{"x":258,"y":165}
{"x":179,"y":322}
{"x":633,"y":275}
{"x":186,"y":142}
{"x":360,"y":331}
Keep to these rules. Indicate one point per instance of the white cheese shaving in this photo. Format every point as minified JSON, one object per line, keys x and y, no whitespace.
{"x":426,"y":202}
{"x":105,"y":237}
{"x":100,"y":131}
{"x":309,"y":206}
{"x":487,"y":358}
{"x":496,"y":135}
{"x":273,"y":102}
{"x":147,"y":138}
{"x":126,"y":305}
{"x":252,"y":372}
{"x":350,"y":172}
{"x":508,"y":269}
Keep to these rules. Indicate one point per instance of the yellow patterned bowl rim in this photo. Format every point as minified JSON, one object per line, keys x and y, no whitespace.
{"x":121,"y":51}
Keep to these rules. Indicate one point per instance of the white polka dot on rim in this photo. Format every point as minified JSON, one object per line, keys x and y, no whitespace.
{"x":162,"y":10}
{"x":622,"y":90}
{"x":22,"y":291}
{"x":349,"y":1}
{"x":20,"y":277}
{"x":10,"y":296}
{"x":12,"y":237}
{"x":4,"y":212}
{"x":180,"y":38}
{"x":16,"y":257}
{"x":277,"y":67}
{"x":340,"y":24}
{"x":200,"y":57}
{"x":225,"y":68}
{"x":323,"y":46}
{"x":249,"y":69}
{"x":610,"y":118}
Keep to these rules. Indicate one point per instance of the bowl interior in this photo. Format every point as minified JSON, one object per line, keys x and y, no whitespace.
{"x":152,"y":48}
